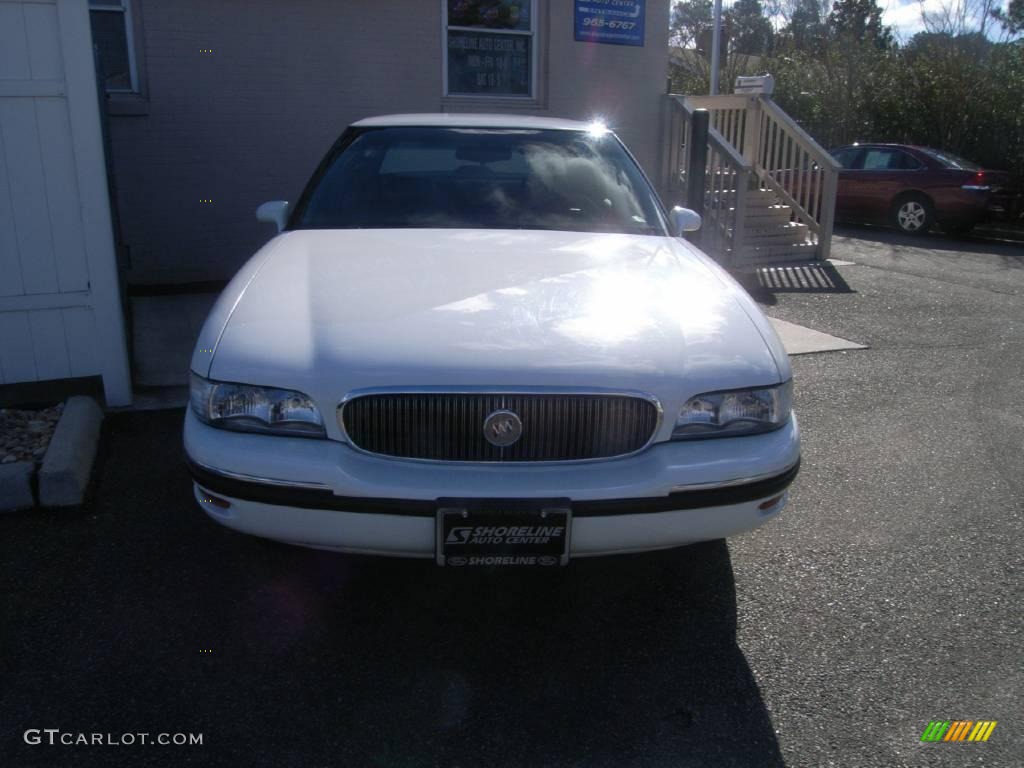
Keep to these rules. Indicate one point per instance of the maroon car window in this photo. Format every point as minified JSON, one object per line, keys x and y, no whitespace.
{"x":880,"y":160}
{"x":906,"y":161}
{"x":846,"y":156}
{"x":951,"y":161}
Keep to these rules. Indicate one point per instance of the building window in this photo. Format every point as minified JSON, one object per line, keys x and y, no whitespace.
{"x":490,"y":48}
{"x":112,"y":35}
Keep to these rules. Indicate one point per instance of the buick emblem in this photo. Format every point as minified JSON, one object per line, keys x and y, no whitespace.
{"x":502,"y":428}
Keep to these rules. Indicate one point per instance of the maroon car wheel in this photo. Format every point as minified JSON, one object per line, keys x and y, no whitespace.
{"x":913,"y":214}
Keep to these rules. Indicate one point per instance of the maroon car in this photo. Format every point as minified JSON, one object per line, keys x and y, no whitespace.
{"x":913,"y":188}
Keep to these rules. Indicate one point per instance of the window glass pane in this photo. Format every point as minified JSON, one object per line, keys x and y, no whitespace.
{"x":109,"y":36}
{"x":489,"y":14}
{"x":479,"y":62}
{"x":845,"y":157}
{"x":905,"y":161}
{"x":483,"y":179}
{"x":880,"y":160}
{"x":952,"y":161}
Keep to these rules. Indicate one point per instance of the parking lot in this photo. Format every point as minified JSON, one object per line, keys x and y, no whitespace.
{"x":887,"y":595}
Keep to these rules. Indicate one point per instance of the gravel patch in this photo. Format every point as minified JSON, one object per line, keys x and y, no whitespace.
{"x":25,"y":435}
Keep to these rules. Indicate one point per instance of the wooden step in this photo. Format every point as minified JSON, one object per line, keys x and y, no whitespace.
{"x":769,"y":212}
{"x":790,"y":232}
{"x":756,"y":198}
{"x":769,"y":254}
{"x":757,"y":202}
{"x":767,"y":215}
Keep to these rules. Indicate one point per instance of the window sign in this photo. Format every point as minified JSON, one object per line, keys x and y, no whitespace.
{"x":490,"y":47}
{"x":490,"y":14}
{"x":618,"y":22}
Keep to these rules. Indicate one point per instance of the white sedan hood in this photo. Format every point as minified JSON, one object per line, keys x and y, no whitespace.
{"x":330,"y":311}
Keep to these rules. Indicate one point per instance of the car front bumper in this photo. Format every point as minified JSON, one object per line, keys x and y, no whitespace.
{"x":325,"y":494}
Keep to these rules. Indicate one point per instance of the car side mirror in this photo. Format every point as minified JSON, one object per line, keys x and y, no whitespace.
{"x":274,"y":212}
{"x":684,"y":220}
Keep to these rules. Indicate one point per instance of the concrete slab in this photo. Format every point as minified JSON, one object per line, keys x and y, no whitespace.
{"x":64,"y":475}
{"x":799,"y":340}
{"x":16,"y":486}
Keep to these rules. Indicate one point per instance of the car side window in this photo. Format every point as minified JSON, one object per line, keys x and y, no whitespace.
{"x":846,"y":157}
{"x":906,"y":162}
{"x":881,"y":160}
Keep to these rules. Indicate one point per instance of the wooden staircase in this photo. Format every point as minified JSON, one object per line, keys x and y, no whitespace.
{"x":770,"y":232}
{"x":769,"y":188}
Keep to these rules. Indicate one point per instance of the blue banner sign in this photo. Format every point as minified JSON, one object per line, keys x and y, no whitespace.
{"x":618,"y":22}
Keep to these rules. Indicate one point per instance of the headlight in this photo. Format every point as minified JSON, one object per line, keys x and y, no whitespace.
{"x":739,"y":412}
{"x":255,"y":409}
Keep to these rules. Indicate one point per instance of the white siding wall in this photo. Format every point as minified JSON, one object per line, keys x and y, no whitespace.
{"x":60,"y":313}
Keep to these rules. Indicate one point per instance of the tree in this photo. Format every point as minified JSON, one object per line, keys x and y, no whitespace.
{"x":690,"y":31}
{"x":956,"y":85}
{"x":1012,"y":18}
{"x":859,"y":20}
{"x":807,"y":30}
{"x":690,"y":20}
{"x":959,"y":17}
{"x":751,"y":32}
{"x":831,"y":59}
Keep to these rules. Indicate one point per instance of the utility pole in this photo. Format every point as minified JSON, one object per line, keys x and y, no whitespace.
{"x":716,"y":47}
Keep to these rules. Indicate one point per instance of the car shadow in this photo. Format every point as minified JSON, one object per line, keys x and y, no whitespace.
{"x":1009,"y":250}
{"x":145,"y":616}
{"x":612,"y":661}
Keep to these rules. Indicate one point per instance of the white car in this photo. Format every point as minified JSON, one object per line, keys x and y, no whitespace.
{"x":481,"y":339}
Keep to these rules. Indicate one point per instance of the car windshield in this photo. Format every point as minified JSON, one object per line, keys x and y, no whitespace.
{"x":480,"y":178}
{"x":952,"y":161}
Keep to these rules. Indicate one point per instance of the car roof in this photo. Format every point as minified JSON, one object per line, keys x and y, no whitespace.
{"x":469,"y":120}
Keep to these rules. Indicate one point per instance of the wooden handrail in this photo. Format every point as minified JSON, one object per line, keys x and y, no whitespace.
{"x":725,"y":101}
{"x":716,"y":138}
{"x":726,"y":186}
{"x":821,"y":157}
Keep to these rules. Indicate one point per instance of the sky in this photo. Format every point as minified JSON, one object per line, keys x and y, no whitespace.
{"x":904,"y":16}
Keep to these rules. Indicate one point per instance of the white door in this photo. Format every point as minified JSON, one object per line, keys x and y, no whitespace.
{"x":60,"y":311}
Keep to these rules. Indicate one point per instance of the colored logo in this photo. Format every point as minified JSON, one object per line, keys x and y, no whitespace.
{"x":958,"y":730}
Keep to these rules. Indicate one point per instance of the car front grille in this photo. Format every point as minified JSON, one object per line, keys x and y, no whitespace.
{"x":450,"y":426}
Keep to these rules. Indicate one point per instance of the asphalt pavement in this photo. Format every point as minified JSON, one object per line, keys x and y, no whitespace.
{"x":888,"y":594}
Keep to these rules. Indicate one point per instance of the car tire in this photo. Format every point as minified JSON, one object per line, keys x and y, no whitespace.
{"x":913,"y":214}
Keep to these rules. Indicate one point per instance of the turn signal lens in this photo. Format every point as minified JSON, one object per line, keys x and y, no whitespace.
{"x":765,"y":505}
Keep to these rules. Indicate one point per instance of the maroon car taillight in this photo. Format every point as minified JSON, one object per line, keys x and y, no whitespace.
{"x":977,"y":184}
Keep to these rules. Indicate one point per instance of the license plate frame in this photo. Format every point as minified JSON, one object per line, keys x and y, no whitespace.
{"x":522,"y":535}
